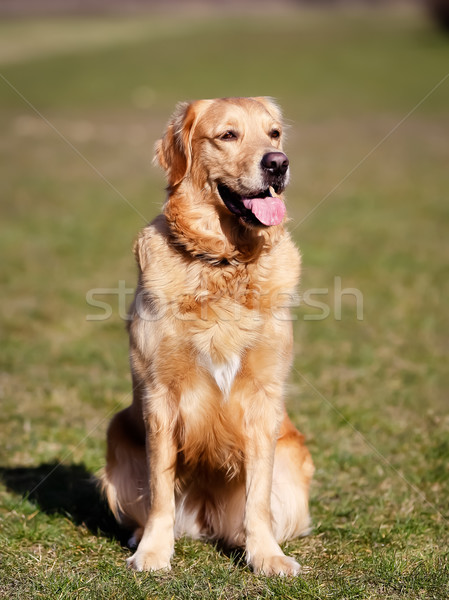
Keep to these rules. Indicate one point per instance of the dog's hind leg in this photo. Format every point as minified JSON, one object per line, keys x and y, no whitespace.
{"x":125,"y":477}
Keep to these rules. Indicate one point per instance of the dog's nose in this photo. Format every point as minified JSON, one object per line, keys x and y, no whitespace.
{"x":275,"y":163}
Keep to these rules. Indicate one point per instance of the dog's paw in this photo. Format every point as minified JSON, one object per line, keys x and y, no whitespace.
{"x":148,"y":561}
{"x":276,"y":565}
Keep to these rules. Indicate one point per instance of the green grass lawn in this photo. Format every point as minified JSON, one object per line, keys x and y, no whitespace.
{"x":82,"y":102}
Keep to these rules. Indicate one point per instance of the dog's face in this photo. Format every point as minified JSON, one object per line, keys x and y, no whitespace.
{"x":233,"y":148}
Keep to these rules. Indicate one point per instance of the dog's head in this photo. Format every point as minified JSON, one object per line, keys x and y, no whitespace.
{"x":230,"y":151}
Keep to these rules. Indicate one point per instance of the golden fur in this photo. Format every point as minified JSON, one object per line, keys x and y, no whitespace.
{"x":206,"y":449}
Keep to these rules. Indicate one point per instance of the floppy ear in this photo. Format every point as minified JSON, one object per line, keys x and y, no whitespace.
{"x":174,"y":150}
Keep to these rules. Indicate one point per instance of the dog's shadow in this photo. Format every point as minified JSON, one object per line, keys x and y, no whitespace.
{"x":69,"y":490}
{"x":72,"y":491}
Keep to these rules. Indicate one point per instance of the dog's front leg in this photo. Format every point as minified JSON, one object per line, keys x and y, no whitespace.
{"x":263,"y":552}
{"x":157,"y":544}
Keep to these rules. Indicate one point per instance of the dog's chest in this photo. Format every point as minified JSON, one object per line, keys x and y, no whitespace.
{"x":228,"y":323}
{"x":223,"y":373}
{"x":220,"y":346}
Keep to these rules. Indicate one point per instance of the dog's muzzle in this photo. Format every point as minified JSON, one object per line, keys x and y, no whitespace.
{"x":261,"y":207}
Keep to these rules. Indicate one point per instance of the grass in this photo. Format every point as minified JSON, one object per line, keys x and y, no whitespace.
{"x":370,"y":394}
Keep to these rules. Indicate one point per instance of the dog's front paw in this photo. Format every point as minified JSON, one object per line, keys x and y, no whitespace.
{"x":275,"y":565}
{"x":143,"y":560}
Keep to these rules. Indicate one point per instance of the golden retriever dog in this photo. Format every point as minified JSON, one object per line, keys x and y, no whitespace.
{"x":206,"y":449}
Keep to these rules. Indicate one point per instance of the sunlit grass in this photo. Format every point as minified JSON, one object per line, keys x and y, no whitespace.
{"x":370,"y":394}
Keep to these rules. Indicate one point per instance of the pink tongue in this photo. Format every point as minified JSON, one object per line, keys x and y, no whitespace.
{"x":269,"y":211}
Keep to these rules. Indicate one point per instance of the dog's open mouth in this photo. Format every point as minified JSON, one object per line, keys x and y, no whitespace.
{"x":262,"y":208}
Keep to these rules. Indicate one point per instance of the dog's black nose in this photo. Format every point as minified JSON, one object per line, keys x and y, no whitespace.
{"x":275,"y":163}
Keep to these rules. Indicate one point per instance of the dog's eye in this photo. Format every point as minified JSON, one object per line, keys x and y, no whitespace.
{"x":275,"y":134}
{"x":229,"y":136}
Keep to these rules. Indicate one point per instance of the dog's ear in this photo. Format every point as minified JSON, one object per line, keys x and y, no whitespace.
{"x":171,"y":153}
{"x":174,"y":150}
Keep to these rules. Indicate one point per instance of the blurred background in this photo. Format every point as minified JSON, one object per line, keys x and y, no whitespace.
{"x":86,"y":88}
